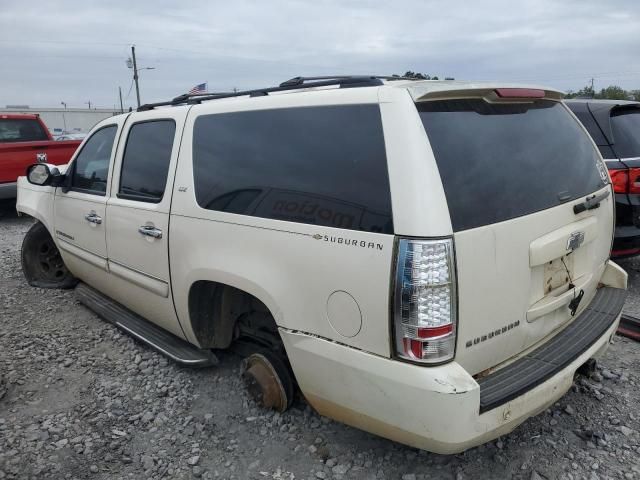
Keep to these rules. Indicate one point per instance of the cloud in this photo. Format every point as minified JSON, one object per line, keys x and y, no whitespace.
{"x":76,"y":51}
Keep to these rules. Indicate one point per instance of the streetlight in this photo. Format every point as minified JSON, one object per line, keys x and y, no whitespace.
{"x":131,"y":63}
{"x":64,"y":120}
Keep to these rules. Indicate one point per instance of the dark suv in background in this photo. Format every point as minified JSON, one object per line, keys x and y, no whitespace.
{"x":614,"y":126}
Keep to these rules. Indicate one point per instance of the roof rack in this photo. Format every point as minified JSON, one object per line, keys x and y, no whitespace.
{"x":343,"y":81}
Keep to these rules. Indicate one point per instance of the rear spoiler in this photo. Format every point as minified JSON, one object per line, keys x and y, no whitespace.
{"x":490,"y":92}
{"x":602,"y":114}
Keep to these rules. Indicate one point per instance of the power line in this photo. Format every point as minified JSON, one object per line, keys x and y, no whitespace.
{"x":129,"y":92}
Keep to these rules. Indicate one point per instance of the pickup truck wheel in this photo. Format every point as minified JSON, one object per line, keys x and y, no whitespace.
{"x":42,"y":263}
{"x":268,"y":380}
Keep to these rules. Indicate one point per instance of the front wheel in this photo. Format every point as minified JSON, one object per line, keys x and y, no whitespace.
{"x":42,"y":263}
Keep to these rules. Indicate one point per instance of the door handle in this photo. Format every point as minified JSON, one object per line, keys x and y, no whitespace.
{"x":150,"y":231}
{"x":93,"y":218}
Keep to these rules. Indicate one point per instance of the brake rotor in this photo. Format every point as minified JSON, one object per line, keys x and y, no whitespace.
{"x":267,"y":383}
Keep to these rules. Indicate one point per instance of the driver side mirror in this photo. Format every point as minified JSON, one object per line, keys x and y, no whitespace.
{"x":43,"y":174}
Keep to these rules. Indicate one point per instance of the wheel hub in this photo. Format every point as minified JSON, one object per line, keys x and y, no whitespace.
{"x":263,"y":382}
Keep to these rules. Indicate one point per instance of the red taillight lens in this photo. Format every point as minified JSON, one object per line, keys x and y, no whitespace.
{"x":519,"y":93}
{"x":634,"y":180}
{"x":625,"y":180}
{"x":619,"y":180}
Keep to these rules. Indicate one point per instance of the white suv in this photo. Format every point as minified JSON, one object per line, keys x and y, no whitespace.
{"x":429,"y":260}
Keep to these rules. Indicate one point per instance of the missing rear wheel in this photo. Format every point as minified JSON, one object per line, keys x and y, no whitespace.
{"x":268,"y":380}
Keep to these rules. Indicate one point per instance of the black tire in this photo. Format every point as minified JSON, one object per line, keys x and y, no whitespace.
{"x":42,"y":263}
{"x":284,"y":374}
{"x":280,"y":367}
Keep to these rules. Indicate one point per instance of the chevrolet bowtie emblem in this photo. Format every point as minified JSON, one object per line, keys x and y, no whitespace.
{"x":575,"y":240}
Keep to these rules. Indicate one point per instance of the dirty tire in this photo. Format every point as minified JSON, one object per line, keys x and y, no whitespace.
{"x":42,"y":264}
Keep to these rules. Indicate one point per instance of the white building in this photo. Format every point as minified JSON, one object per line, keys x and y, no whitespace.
{"x":70,"y":120}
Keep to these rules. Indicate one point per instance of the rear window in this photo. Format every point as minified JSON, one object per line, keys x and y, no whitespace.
{"x":21,"y":130}
{"x":317,"y":165}
{"x":502,"y":161}
{"x":625,"y":126}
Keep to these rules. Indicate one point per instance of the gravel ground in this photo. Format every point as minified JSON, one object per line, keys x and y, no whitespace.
{"x":86,"y":401}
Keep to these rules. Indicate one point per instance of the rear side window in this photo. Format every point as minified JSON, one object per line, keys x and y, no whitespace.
{"x":91,"y":165}
{"x":145,"y":163}
{"x":21,"y":130}
{"x":318,"y":165}
{"x":502,"y":161}
{"x":625,"y":126}
{"x":584,"y":115}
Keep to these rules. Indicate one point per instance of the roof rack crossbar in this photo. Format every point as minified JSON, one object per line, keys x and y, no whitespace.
{"x":343,"y":81}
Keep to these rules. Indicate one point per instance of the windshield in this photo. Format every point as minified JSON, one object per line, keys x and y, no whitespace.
{"x":21,"y":130}
{"x":502,"y":161}
{"x":625,"y":126}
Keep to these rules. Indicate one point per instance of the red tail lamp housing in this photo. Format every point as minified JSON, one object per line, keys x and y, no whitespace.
{"x":625,"y":180}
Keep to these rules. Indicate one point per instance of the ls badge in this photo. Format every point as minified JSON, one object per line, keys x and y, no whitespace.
{"x":41,"y":157}
{"x":575,"y":240}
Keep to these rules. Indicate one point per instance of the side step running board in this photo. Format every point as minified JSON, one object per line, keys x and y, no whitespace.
{"x":157,"y":338}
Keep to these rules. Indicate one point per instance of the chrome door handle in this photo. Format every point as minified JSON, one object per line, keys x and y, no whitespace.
{"x":93,"y":218}
{"x":150,"y":231}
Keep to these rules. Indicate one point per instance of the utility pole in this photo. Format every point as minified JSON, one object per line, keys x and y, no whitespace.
{"x":593,"y":94}
{"x":120,"y":93}
{"x":89,"y":103}
{"x":135,"y":73}
{"x":131,"y":63}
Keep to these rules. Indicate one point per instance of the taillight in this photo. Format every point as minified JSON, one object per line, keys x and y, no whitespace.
{"x":619,"y":180}
{"x":425,"y":296}
{"x":625,"y":180}
{"x":634,"y":180}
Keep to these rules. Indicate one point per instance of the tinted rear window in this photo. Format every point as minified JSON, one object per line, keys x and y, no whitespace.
{"x":625,"y":126}
{"x":319,"y":165}
{"x":17,"y":130}
{"x":499,"y":162}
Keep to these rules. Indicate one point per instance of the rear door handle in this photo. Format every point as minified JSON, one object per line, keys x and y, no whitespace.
{"x":150,"y":231}
{"x":93,"y":217}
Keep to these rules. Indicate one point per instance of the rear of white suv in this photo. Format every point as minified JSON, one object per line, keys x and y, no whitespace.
{"x":493,"y":311}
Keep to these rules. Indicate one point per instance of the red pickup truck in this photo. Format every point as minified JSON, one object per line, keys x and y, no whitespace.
{"x":24,"y":139}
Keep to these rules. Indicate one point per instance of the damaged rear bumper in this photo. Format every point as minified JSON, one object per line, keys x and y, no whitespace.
{"x":439,"y":409}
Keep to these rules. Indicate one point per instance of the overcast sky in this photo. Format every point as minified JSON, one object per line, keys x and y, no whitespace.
{"x":75,"y":52}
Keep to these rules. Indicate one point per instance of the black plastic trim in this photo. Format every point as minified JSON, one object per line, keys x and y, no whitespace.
{"x":544,"y":362}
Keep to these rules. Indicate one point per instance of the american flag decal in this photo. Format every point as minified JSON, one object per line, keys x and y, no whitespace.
{"x":201,"y":88}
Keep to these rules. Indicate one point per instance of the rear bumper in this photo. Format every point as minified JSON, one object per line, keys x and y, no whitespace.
{"x":437,"y":408}
{"x":626,"y":241}
{"x":8,"y":190}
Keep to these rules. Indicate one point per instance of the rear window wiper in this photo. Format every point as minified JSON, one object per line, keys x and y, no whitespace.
{"x":590,"y":202}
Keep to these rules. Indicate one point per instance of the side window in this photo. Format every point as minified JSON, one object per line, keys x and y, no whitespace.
{"x":91,"y":166}
{"x":318,"y":165}
{"x":145,"y":164}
